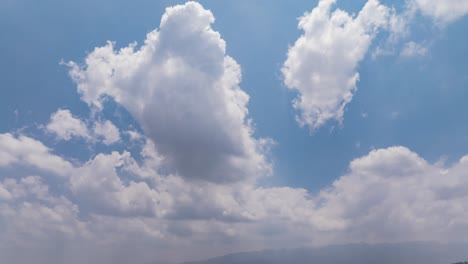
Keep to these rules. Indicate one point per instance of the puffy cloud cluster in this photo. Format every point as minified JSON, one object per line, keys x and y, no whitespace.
{"x":388,"y":195}
{"x":393,"y":194}
{"x":99,"y":188}
{"x":30,"y":211}
{"x":322,"y":64}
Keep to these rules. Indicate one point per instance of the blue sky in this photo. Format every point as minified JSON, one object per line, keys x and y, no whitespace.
{"x":413,"y":98}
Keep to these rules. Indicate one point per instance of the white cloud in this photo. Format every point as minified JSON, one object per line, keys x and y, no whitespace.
{"x":106,"y":130}
{"x":24,"y":150}
{"x":100,"y":189}
{"x":388,"y":195}
{"x":133,"y":135}
{"x":443,"y":12}
{"x":413,"y":49}
{"x":32,"y":216}
{"x":393,"y":194}
{"x":392,"y":186}
{"x":66,"y":126}
{"x":187,"y":100}
{"x":322,"y":64}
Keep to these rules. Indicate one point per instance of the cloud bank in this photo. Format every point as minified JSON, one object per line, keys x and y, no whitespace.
{"x":388,"y":195}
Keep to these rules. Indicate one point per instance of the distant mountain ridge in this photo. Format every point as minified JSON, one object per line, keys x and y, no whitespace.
{"x":396,"y":253}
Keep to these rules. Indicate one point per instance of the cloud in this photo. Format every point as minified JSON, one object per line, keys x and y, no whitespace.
{"x":133,"y":135}
{"x":27,"y":151}
{"x":107,"y":131}
{"x":65,"y":126}
{"x":390,"y":194}
{"x":393,"y":195}
{"x":32,"y":214}
{"x":187,"y":100}
{"x":321,"y":65}
{"x":100,"y":190}
{"x":412,"y":49}
{"x":192,"y":192}
{"x":442,"y":12}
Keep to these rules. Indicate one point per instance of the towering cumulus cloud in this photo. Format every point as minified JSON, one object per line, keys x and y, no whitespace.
{"x":321,"y":65}
{"x":184,"y":91}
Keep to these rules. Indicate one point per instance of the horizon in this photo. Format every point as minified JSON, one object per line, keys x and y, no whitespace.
{"x":337,"y":250}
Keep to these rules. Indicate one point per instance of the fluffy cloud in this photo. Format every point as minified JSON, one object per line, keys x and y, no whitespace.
{"x":442,"y":12}
{"x":393,"y":194}
{"x":388,"y":195}
{"x":321,"y":65}
{"x":26,"y":151}
{"x":107,"y":131}
{"x":187,"y":100}
{"x":65,"y":125}
{"x":32,"y":215}
{"x":100,"y":189}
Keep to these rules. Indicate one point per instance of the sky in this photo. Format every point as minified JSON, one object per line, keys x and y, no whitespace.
{"x":143,"y":131}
